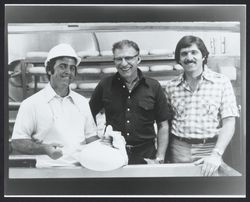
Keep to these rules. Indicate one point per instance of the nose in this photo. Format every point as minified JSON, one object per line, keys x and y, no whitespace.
{"x":67,"y":70}
{"x":124,"y":62}
{"x":189,"y":56}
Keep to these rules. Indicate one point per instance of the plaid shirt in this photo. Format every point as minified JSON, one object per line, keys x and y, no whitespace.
{"x":198,"y":114}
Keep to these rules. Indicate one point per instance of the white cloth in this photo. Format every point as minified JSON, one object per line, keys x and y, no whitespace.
{"x":49,"y":118}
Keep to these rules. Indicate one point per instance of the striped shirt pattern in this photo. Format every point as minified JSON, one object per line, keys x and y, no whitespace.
{"x":198,"y":114}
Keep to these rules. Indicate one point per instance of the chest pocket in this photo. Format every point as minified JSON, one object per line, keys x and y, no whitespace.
{"x":210,"y":108}
{"x":146,"y":109}
{"x":179,"y":108}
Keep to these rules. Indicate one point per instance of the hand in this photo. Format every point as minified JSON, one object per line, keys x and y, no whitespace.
{"x":113,"y":138}
{"x":210,"y":164}
{"x":153,"y":161}
{"x":53,"y":150}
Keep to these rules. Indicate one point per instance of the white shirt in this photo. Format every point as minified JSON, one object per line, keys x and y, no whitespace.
{"x":47,"y":117}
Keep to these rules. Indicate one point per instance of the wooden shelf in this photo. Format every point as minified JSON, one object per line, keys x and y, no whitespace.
{"x":97,"y":59}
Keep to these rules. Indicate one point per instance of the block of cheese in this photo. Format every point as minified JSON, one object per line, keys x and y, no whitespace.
{"x":39,"y":85}
{"x":178,"y":67}
{"x":73,"y":86}
{"x":160,"y":52}
{"x":144,"y":68}
{"x":144,"y":52}
{"x":88,"y":70}
{"x":88,"y":53}
{"x":36,"y":54}
{"x":106,"y":53}
{"x":109,"y":70}
{"x":37,"y":70}
{"x":87,"y":85}
{"x":156,"y":68}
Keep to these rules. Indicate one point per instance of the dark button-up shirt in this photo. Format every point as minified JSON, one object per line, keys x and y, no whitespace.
{"x":133,"y":113}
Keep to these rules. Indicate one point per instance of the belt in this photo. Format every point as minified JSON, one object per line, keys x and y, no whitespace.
{"x":128,"y":146}
{"x":196,"y":140}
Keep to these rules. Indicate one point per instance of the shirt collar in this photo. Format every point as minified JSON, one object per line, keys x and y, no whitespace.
{"x":50,"y":93}
{"x":206,"y":74}
{"x":142,"y":79}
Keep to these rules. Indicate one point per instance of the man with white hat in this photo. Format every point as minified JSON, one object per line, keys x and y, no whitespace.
{"x":55,"y":121}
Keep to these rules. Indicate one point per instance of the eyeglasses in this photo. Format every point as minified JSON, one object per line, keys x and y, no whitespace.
{"x":127,"y":58}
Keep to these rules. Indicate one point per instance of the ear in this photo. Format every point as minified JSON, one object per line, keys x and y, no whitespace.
{"x":139,"y":60}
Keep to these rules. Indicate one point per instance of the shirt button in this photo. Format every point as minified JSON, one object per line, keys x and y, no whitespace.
{"x":128,"y":97}
{"x":128,"y":121}
{"x":129,"y":91}
{"x":127,"y":134}
{"x":123,"y":86}
{"x":128,"y":109}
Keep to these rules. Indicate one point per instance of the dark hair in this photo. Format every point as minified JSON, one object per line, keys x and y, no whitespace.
{"x":121,"y":44}
{"x":13,"y":64}
{"x":51,"y":63}
{"x":187,"y":41}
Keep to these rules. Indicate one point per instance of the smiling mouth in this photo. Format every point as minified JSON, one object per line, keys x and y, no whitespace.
{"x":125,"y":69}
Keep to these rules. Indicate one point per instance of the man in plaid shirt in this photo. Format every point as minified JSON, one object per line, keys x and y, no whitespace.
{"x":205,"y":109}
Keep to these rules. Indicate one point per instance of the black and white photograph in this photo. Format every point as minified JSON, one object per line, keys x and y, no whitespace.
{"x":125,"y":100}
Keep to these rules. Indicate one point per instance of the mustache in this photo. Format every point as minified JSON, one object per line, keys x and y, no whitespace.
{"x":189,"y":61}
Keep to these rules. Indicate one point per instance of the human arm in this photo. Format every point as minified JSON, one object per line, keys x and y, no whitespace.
{"x":28,"y":146}
{"x":95,"y":102}
{"x":211,"y":163}
{"x":162,"y":139}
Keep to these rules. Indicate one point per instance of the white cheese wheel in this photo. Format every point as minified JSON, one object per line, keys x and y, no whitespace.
{"x":106,"y":53}
{"x":143,"y":52}
{"x":88,"y":70}
{"x":178,"y":67}
{"x":99,"y":157}
{"x":109,"y":70}
{"x":144,"y":68}
{"x":36,"y":54}
{"x":39,"y":85}
{"x":160,"y":52}
{"x":37,"y":70}
{"x":156,"y":68}
{"x":87,"y":85}
{"x":73,"y":86}
{"x":88,"y":53}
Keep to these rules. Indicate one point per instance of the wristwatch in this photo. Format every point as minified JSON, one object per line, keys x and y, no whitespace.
{"x":218,"y":151}
{"x":160,"y":160}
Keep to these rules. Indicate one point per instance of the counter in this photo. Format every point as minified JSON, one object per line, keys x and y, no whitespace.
{"x":131,"y":171}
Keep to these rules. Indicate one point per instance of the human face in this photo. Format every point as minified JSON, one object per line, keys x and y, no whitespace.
{"x":64,"y":72}
{"x":191,"y":59}
{"x":126,"y":60}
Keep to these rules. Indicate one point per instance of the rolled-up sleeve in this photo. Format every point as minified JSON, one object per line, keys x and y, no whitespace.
{"x":25,"y":122}
{"x":228,"y":103}
{"x":90,"y":126}
{"x":162,"y":109}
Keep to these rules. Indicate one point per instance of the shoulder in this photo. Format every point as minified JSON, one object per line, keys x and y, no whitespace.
{"x":35,"y":99}
{"x":106,"y":80}
{"x":217,"y":77}
{"x":79,"y":98}
{"x":152,"y":82}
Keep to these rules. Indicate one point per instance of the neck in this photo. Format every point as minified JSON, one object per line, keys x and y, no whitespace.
{"x":193,"y":76}
{"x":62,"y":90}
{"x":130,"y":80}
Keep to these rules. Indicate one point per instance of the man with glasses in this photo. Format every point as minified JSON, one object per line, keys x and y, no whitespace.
{"x":55,"y":121}
{"x":132,"y":103}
